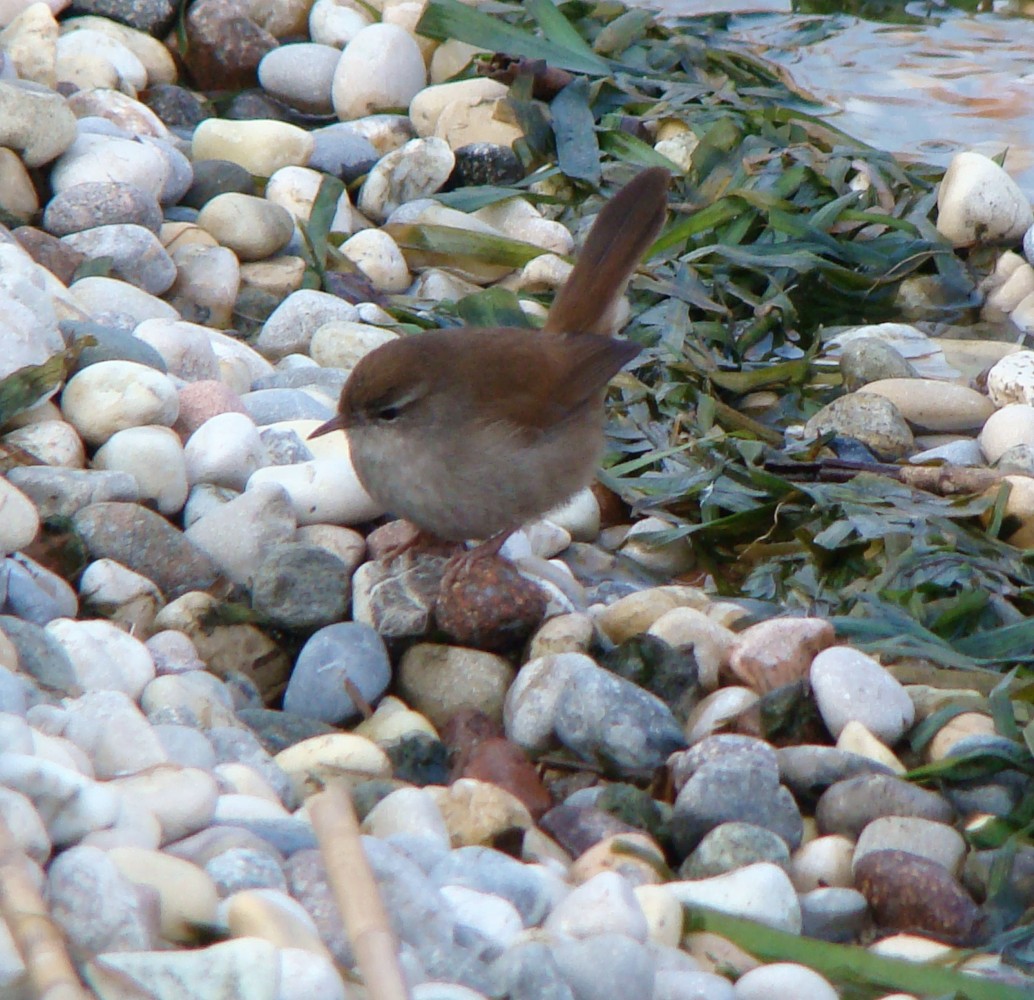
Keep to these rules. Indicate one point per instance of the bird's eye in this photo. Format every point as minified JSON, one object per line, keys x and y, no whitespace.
{"x":388,"y":413}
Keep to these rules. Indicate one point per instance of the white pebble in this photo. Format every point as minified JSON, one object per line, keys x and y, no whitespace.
{"x":225,"y":451}
{"x":153,"y":456}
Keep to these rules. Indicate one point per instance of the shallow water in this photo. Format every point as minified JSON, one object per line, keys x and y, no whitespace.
{"x":924,"y":91}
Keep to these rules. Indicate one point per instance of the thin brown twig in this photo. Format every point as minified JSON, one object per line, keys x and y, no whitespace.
{"x":50,"y":971}
{"x":356,"y":892}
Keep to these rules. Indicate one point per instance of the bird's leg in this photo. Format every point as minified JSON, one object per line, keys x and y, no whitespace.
{"x":461,"y":562}
{"x":414,"y":539}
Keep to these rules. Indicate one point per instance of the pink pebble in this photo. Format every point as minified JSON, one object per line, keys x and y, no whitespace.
{"x":200,"y":401}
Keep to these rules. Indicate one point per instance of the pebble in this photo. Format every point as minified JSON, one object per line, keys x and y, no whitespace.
{"x":225,"y":450}
{"x":324,"y":491}
{"x":852,"y":687}
{"x":847,"y":806}
{"x":778,"y":651}
{"x":337,"y":661}
{"x":416,"y":170}
{"x":301,"y":74}
{"x":19,"y":521}
{"x":761,"y":892}
{"x":933,"y":841}
{"x":978,"y":202}
{"x":133,"y":396}
{"x":251,"y":227}
{"x":380,"y":69}
{"x":872,"y":419}
{"x":262,"y":146}
{"x":930,"y":405}
{"x":783,"y":979}
{"x":238,"y":535}
{"x":153,"y":456}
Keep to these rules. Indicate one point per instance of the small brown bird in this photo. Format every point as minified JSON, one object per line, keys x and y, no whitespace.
{"x":469,"y":432}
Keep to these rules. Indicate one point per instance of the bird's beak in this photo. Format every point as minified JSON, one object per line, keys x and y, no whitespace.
{"x":334,"y":424}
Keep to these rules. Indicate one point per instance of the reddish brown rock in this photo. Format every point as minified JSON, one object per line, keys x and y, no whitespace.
{"x":910,"y":893}
{"x":487,"y":604}
{"x":200,"y":401}
{"x":50,"y":253}
{"x":503,"y":764}
{"x":224,"y":46}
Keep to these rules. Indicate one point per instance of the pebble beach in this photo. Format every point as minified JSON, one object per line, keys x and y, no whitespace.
{"x":552,"y":764}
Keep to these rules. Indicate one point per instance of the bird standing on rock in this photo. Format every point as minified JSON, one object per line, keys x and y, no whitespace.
{"x":469,"y":432}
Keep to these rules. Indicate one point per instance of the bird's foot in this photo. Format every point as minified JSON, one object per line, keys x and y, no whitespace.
{"x":460,"y":563}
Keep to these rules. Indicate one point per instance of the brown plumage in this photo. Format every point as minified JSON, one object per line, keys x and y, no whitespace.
{"x":469,"y":432}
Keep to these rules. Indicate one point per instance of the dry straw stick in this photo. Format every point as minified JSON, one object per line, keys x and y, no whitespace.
{"x":366,"y":920}
{"x":40,"y":944}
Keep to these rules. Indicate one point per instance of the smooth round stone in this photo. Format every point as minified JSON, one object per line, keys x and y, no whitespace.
{"x":324,"y":491}
{"x":272,"y":406}
{"x":341,"y":151}
{"x":185,"y":348}
{"x":855,"y":738}
{"x":334,"y":661}
{"x":32,"y":650}
{"x":118,"y":303}
{"x":97,"y":908}
{"x":53,"y":442}
{"x":1007,"y":296}
{"x":332,"y":22}
{"x":108,"y":158}
{"x":197,"y":697}
{"x":779,"y":651}
{"x":931,"y":405}
{"x":850,"y":686}
{"x":779,"y":980}
{"x":872,"y":419}
{"x":70,"y":804}
{"x":833,"y":914}
{"x":824,"y":861}
{"x":487,"y":870}
{"x":225,"y":451}
{"x":114,"y":395}
{"x":570,"y":633}
{"x":734,"y":845}
{"x":146,"y":543}
{"x":908,"y":892}
{"x":112,"y":344}
{"x":530,"y":708}
{"x":153,"y":456}
{"x":416,"y":170}
{"x":608,"y":965}
{"x":868,"y":360}
{"x":934,"y":841}
{"x":809,"y":770}
{"x":603,"y":904}
{"x":182,"y":799}
{"x":207,"y":283}
{"x":604,"y":717}
{"x":312,"y":762}
{"x":300,"y":586}
{"x":340,"y":343}
{"x":427,"y":106}
{"x":728,"y":789}
{"x":849,"y":805}
{"x":476,"y":812}
{"x":669,"y":559}
{"x":301,"y":75}
{"x":215,"y":177}
{"x":186,"y":895}
{"x":297,"y":188}
{"x":381,"y":69}
{"x":251,"y":227}
{"x":274,"y":916}
{"x":113,"y":732}
{"x":200,"y":401}
{"x":111,"y":590}
{"x":438,"y":681}
{"x":290,"y":327}
{"x":409,"y":812}
{"x":88,"y":59}
{"x":37,"y":124}
{"x":636,"y":613}
{"x":239,"y":869}
{"x":761,"y":892}
{"x":101,"y":203}
{"x":240,"y":534}
{"x":961,"y":727}
{"x":135,"y":253}
{"x":978,"y":202}
{"x":497,"y":919}
{"x":19,"y":521}
{"x":378,"y":256}
{"x":394,"y":720}
{"x":1011,"y":380}
{"x":104,"y":658}
{"x":260,"y":146}
{"x":185,"y":746}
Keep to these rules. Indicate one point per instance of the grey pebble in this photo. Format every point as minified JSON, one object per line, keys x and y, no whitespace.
{"x":301,"y":586}
{"x":847,"y":806}
{"x":60,"y":492}
{"x":101,"y":203}
{"x":348,"y":654}
{"x":269,"y":406}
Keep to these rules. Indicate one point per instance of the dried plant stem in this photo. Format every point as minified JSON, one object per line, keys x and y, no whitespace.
{"x":39,"y":942}
{"x":358,"y":898}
